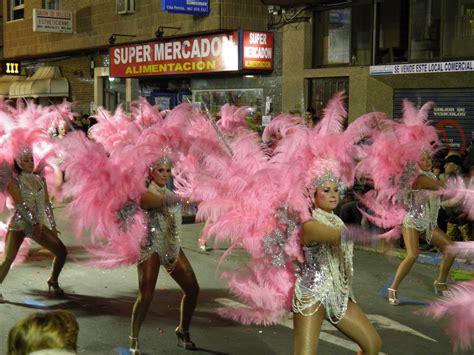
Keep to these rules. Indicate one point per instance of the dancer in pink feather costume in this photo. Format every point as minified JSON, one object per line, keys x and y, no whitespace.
{"x":279,"y":231}
{"x":405,"y":197}
{"x":117,"y":187}
{"x":33,"y":214}
{"x":163,"y":248}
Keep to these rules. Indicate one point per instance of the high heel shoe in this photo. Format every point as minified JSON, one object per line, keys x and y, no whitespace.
{"x":393,"y":301}
{"x":58,"y":291}
{"x":441,"y":288}
{"x":183,"y":339}
{"x":134,"y":346}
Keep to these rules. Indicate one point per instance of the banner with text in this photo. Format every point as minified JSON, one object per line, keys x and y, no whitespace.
{"x":423,"y":68}
{"x":55,"y":21}
{"x":203,"y":54}
{"x":193,"y":7}
{"x":223,"y":52}
{"x":257,"y":50}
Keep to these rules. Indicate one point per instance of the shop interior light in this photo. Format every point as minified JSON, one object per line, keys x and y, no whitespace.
{"x":249,"y":76}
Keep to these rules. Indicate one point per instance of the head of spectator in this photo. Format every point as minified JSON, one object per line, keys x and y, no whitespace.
{"x":438,"y":166}
{"x":309,"y":117}
{"x":453,"y":165}
{"x":43,"y":333}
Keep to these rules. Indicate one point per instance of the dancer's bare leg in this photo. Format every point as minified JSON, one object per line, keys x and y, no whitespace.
{"x":356,"y":326}
{"x":12,"y":245}
{"x":412,"y":245}
{"x":147,"y":275}
{"x":49,"y":240}
{"x":442,"y":241}
{"x":306,"y":331}
{"x":184,"y":275}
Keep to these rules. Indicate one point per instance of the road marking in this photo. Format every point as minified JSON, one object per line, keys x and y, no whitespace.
{"x":388,"y":323}
{"x":288,"y":323}
{"x":32,"y":302}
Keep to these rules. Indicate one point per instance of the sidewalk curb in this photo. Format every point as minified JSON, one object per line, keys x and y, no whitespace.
{"x":425,"y":257}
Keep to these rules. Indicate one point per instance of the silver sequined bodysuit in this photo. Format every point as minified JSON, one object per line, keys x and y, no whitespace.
{"x":423,"y":209}
{"x":325,"y":277}
{"x":34,"y":208}
{"x":162,"y":238}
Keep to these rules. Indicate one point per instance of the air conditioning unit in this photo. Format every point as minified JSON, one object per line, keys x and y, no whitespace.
{"x":125,"y":7}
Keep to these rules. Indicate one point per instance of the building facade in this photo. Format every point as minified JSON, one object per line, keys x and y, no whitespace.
{"x":381,"y":52}
{"x":76,"y":36}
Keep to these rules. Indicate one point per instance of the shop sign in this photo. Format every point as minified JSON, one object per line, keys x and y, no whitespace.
{"x":52,"y":21}
{"x":257,"y":50}
{"x":202,"y":54}
{"x":423,"y":68}
{"x":193,"y":7}
{"x":11,"y":68}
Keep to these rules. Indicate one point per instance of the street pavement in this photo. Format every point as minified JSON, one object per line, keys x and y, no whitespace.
{"x":102,"y":301}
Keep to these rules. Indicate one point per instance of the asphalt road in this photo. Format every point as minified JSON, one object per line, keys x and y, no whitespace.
{"x":102,"y":301}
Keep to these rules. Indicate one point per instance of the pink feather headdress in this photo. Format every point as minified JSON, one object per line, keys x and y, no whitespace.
{"x":391,"y":163}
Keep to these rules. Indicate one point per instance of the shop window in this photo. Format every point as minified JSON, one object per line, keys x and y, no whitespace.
{"x":342,"y":35}
{"x":392,"y":34}
{"x":321,"y":90}
{"x":16,"y":9}
{"x":213,"y":100}
{"x":51,"y":4}
{"x":458,"y":32}
{"x":425,"y":26}
{"x":125,"y":7}
{"x":114,"y":93}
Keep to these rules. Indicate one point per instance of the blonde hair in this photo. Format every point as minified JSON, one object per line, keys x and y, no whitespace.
{"x":44,"y":330}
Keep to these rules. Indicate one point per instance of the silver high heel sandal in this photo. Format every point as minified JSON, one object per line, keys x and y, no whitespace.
{"x":183,"y":340}
{"x":134,"y":350}
{"x":439,"y":288}
{"x":393,"y":301}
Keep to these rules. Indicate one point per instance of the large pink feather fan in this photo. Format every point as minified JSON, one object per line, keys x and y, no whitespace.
{"x":113,"y":131}
{"x":100,"y":192}
{"x":458,"y":308}
{"x":144,"y":114}
{"x":232,"y":118}
{"x":280,"y":126}
{"x":459,"y":192}
{"x":392,"y":174}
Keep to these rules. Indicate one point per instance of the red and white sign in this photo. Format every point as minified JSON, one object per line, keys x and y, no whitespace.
{"x":202,"y":54}
{"x":257,"y":51}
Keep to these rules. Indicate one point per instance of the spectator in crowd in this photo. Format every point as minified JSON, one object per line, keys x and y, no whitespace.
{"x":310,"y":117}
{"x":457,"y":227}
{"x":44,"y":333}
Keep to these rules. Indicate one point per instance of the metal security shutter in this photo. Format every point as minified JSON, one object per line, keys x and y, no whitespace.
{"x":453,"y":114}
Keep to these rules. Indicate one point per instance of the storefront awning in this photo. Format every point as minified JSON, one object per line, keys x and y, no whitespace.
{"x":45,"y":82}
{"x":5,"y":82}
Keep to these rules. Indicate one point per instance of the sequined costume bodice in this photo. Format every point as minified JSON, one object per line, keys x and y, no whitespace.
{"x":162,"y":238}
{"x":325,"y":277}
{"x":33,"y":208}
{"x":423,"y":209}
